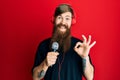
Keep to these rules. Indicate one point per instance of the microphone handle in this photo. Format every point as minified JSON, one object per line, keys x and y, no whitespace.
{"x":53,"y":51}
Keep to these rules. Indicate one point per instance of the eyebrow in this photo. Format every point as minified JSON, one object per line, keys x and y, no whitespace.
{"x":67,"y":16}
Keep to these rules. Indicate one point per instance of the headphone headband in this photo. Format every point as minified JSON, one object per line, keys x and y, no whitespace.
{"x":62,"y":8}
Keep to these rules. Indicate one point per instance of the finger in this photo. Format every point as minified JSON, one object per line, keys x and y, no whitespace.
{"x":53,"y":57}
{"x":78,"y":44}
{"x":50,"y":53}
{"x":55,"y":53}
{"x":84,"y":39}
{"x":93,"y":44}
{"x":51,"y":61}
{"x":89,"y":39}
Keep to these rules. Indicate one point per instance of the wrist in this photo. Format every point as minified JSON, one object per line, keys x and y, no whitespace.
{"x":45,"y":66}
{"x":84,"y":57}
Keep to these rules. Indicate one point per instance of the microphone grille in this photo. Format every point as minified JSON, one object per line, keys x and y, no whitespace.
{"x":55,"y":46}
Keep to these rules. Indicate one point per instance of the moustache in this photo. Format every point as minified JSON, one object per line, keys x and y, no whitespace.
{"x":59,"y":25}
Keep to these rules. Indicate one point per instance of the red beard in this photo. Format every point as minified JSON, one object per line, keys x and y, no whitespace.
{"x":64,"y":39}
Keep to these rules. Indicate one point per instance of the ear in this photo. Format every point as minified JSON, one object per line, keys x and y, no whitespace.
{"x":52,"y":20}
{"x":73,"y":21}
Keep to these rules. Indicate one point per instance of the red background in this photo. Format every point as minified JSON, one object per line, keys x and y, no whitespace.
{"x":25,"y":23}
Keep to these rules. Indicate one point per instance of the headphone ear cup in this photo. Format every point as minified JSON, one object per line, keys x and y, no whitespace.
{"x":52,"y":19}
{"x":73,"y":21}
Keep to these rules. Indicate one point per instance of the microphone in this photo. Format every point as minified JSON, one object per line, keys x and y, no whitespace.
{"x":55,"y":46}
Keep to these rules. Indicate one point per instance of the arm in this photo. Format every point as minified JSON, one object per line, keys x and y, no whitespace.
{"x":37,"y":70}
{"x":40,"y":71}
{"x":83,"y":52}
{"x":88,"y":68}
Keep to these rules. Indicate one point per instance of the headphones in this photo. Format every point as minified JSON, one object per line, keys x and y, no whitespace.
{"x":73,"y":18}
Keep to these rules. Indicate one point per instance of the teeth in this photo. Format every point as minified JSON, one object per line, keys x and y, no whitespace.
{"x":62,"y":26}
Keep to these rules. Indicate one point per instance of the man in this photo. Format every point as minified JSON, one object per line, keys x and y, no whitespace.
{"x":71,"y":60}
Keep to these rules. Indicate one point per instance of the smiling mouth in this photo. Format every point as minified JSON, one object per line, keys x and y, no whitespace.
{"x":62,"y":28}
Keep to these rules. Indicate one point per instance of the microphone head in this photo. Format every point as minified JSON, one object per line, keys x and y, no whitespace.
{"x":55,"y":46}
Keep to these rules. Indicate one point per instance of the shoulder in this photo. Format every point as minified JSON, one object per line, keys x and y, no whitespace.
{"x":44,"y":43}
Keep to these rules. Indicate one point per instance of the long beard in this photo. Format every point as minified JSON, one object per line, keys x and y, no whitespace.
{"x":63,"y":39}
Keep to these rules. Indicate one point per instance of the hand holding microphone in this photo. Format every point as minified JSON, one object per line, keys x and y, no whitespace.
{"x":52,"y":56}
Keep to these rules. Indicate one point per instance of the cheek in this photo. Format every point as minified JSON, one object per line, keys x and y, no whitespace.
{"x":57,"y":22}
{"x":69,"y":24}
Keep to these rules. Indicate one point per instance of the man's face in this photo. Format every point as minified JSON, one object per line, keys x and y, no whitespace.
{"x":64,"y":19}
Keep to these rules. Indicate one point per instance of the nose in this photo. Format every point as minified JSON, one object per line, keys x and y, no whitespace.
{"x":63,"y":21}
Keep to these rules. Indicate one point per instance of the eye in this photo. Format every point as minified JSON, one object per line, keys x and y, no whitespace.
{"x":68,"y":18}
{"x":59,"y":17}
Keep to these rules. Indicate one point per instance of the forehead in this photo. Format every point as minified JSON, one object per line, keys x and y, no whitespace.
{"x":66,"y":14}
